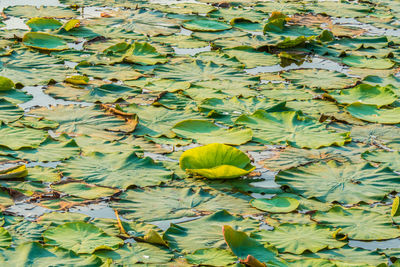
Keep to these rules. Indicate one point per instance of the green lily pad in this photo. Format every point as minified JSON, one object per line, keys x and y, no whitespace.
{"x":29,"y":11}
{"x":85,"y":191}
{"x":390,"y":159}
{"x":156,"y":121}
{"x":92,"y":121}
{"x":35,"y":254}
{"x":80,"y":237}
{"x":292,"y":128}
{"x":366,"y":94}
{"x":359,"y":224}
{"x":43,"y":174}
{"x":206,"y":25}
{"x":16,"y":138}
{"x":369,"y":63}
{"x":119,"y":170}
{"x":251,"y":58}
{"x":205,"y":232}
{"x":200,"y":71}
{"x":50,"y":150}
{"x":44,"y":41}
{"x":134,"y":253}
{"x":206,"y":132}
{"x":9,"y":112}
{"x":145,"y":54}
{"x":243,"y":246}
{"x":211,"y":257}
{"x":276,"y":204}
{"x":346,"y":183}
{"x":317,"y":78}
{"x":43,"y":24}
{"x":58,"y":218}
{"x":216,"y":161}
{"x":372,"y":113}
{"x":297,"y":238}
{"x":120,"y":72}
{"x":5,"y":238}
{"x":29,"y":68}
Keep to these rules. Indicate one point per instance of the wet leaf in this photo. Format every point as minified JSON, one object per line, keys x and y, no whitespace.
{"x":276,"y":204}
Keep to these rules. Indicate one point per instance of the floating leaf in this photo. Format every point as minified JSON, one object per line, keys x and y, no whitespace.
{"x":211,"y":256}
{"x":372,"y":113}
{"x":80,"y":237}
{"x":292,"y":128}
{"x":243,"y":246}
{"x":206,"y":132}
{"x":119,"y":170}
{"x":206,"y":25}
{"x":205,"y":232}
{"x":145,"y":54}
{"x":5,"y":238}
{"x":276,"y":204}
{"x":9,"y":112}
{"x":297,"y":238}
{"x":216,"y":161}
{"x":359,"y":224}
{"x":366,"y":94}
{"x":390,"y":159}
{"x":319,"y":78}
{"x":251,"y":58}
{"x":16,"y":138}
{"x":44,"y":41}
{"x":137,"y":253}
{"x":346,"y":183}
{"x":83,"y":190}
{"x":42,"y":24}
{"x":369,"y":63}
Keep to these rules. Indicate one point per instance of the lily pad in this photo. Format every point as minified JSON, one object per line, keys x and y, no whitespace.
{"x":216,"y":161}
{"x":292,"y":128}
{"x":16,"y":138}
{"x":205,"y":232}
{"x":251,"y":58}
{"x":369,"y":63}
{"x":372,"y":113}
{"x":80,"y":237}
{"x":211,"y":256}
{"x":206,"y":132}
{"x":34,"y":253}
{"x":6,"y":84}
{"x":44,"y":41}
{"x":346,"y":183}
{"x":83,"y":190}
{"x":206,"y":25}
{"x":43,"y":24}
{"x":134,"y":253}
{"x":145,"y":54}
{"x":276,"y":204}
{"x":366,"y":94}
{"x":359,"y":224}
{"x":390,"y":159}
{"x":323,"y":79}
{"x":9,"y":112}
{"x":119,"y":170}
{"x":243,"y":246}
{"x":297,"y":238}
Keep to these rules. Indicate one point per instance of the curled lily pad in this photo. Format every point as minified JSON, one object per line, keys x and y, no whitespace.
{"x":276,"y":204}
{"x":44,"y":41}
{"x":216,"y":161}
{"x":243,"y":246}
{"x":81,"y":237}
{"x":18,"y":171}
{"x":6,"y":84}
